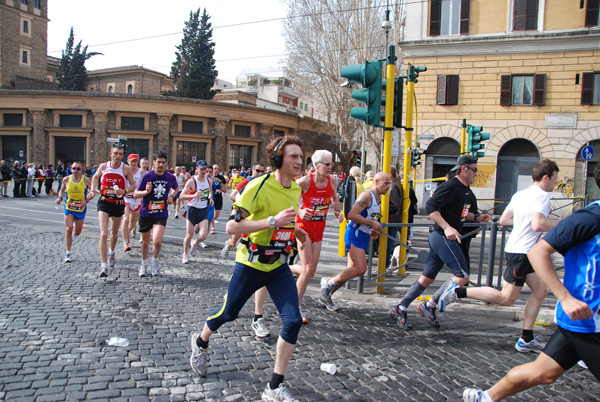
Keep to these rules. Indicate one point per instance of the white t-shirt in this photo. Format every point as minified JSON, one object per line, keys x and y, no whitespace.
{"x":523,"y":204}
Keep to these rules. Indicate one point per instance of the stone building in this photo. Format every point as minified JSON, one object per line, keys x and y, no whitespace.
{"x":528,"y":71}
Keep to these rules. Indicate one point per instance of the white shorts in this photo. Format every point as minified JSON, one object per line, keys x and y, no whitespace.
{"x":134,"y":204}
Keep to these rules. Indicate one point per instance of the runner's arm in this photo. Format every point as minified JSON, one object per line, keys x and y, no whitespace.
{"x":97,"y":177}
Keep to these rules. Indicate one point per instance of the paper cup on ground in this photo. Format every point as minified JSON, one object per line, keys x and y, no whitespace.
{"x":328,"y":368}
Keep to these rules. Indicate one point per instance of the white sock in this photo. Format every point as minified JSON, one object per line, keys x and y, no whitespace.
{"x":402,"y":308}
{"x":145,"y":263}
{"x":485,"y":397}
{"x":111,"y":252}
{"x":331,"y":282}
{"x":154,"y":259}
{"x":431,"y":303}
{"x":103,"y":265}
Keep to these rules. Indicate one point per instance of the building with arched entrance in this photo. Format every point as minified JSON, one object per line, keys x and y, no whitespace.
{"x":530,"y":76}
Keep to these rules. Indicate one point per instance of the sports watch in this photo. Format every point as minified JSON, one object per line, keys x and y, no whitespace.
{"x":271,"y":221}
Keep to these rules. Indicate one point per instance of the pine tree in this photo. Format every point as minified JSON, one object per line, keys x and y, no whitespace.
{"x":194,"y":69}
{"x":72,"y":74}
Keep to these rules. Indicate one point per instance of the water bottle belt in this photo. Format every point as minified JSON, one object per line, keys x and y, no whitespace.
{"x":264,"y":254}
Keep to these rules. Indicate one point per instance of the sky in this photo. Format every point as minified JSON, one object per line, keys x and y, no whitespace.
{"x":111,"y":27}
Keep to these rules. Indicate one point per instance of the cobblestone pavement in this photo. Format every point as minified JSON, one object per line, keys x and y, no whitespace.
{"x":55,"y":318}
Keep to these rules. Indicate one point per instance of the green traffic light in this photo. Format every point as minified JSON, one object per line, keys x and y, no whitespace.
{"x":369,"y":75}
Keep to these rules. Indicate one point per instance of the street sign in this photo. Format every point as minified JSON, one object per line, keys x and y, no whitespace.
{"x":193,"y":159}
{"x":21,"y":153}
{"x":109,"y":139}
{"x":241,"y":161}
{"x":122,"y":138}
{"x":395,"y":142}
{"x":426,"y":137}
{"x":587,"y":153}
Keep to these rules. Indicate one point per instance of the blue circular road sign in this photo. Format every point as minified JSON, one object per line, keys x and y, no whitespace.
{"x":587,"y":153}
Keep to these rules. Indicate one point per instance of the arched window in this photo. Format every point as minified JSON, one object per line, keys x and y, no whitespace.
{"x":129,"y":89}
{"x":111,"y":89}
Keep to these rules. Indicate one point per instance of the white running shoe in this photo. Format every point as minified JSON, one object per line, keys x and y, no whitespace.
{"x":143,"y":272}
{"x":279,"y":394}
{"x":103,"y":272}
{"x":194,"y":250}
{"x":185,"y":259}
{"x":225,"y":250}
{"x":532,"y":346}
{"x":199,"y":358}
{"x":155,"y":268}
{"x":68,"y":257}
{"x":112,"y":261}
{"x":260,"y":328}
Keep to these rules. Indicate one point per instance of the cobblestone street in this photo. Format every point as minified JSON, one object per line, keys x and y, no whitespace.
{"x":55,"y":318}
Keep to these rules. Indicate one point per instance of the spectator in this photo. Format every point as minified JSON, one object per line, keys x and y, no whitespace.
{"x":40,"y":175}
{"x":31,"y":180}
{"x":15,"y":173}
{"x":5,"y":178}
{"x":49,"y":179}
{"x":24,"y":174}
{"x":88,"y":172}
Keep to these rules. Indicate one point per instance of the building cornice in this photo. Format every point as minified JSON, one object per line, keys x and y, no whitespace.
{"x":473,"y":45}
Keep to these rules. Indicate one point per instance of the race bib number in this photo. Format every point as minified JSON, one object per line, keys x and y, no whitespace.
{"x":283,"y":237}
{"x":156,"y":206}
{"x":75,"y":205}
{"x":205,"y":195}
{"x":465,"y":211}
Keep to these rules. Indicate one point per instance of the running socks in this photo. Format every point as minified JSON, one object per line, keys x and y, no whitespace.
{"x":276,"y":380}
{"x":257,"y":316}
{"x":461,"y":292}
{"x":527,"y":335}
{"x":415,"y":291}
{"x":201,"y":344}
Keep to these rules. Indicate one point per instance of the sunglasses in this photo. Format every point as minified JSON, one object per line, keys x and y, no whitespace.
{"x":259,"y":170}
{"x":472,"y":168}
{"x":75,"y":168}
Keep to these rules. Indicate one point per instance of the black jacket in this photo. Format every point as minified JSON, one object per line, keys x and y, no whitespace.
{"x":5,"y":170}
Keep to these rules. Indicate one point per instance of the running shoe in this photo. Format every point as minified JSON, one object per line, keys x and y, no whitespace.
{"x":199,"y":358}
{"x":68,"y":257}
{"x":583,"y":365}
{"x":143,"y":272}
{"x":126,"y":247}
{"x":212,"y":231}
{"x":103,"y":272}
{"x":185,"y":259}
{"x":429,"y":314}
{"x":304,"y":319}
{"x":532,"y":346}
{"x":325,"y":299}
{"x":176,"y":216}
{"x":400,"y":317}
{"x":194,"y":250}
{"x":276,"y":395}
{"x":203,"y":245}
{"x":155,"y":268}
{"x":225,"y":250}
{"x":448,"y":295}
{"x":472,"y":395}
{"x":112,"y":261}
{"x":260,"y":328}
{"x":133,"y":233}
{"x":183,"y":214}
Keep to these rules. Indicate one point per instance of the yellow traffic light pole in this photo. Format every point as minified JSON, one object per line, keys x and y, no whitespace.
{"x":463,"y":144}
{"x":387,"y":156}
{"x":413,"y":73}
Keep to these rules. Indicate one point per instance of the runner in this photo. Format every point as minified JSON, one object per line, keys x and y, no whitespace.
{"x":266,"y":213}
{"x":132,"y":205}
{"x":577,"y":314}
{"x":364,"y":223}
{"x":528,"y":212}
{"x":156,"y":187}
{"x":75,"y":188}
{"x":113,"y":176}
{"x":180,"y":184}
{"x":219,"y":187}
{"x":318,"y":193}
{"x":199,"y":193}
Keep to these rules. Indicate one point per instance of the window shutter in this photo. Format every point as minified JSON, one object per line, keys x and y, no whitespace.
{"x":539,"y":89}
{"x":465,"y":11}
{"x":441,"y":90}
{"x":587,"y":89}
{"x":435,"y":17}
{"x":452,"y":90}
{"x":505,"y":90}
{"x":519,"y":15}
{"x":531,"y":19}
{"x":591,"y":13}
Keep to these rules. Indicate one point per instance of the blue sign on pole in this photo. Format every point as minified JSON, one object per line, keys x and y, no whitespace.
{"x":587,"y":153}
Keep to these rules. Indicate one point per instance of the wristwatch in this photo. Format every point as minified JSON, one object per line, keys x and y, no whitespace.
{"x":271,"y":221}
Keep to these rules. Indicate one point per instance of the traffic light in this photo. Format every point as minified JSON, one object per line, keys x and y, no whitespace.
{"x":398,"y":94}
{"x":416,"y":157}
{"x":358,"y":155}
{"x":475,"y":147}
{"x":369,"y":75}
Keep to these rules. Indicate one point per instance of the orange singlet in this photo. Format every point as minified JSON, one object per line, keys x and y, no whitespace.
{"x":318,"y":200}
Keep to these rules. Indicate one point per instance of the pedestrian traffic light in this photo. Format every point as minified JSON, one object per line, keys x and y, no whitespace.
{"x":369,"y":76}
{"x":358,"y":155}
{"x":475,"y":147}
{"x":416,"y":156}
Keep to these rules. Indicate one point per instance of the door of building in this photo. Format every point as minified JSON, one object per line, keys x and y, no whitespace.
{"x":441,"y":156}
{"x":69,"y":150}
{"x":137,"y":146}
{"x":586,"y":181}
{"x":14,"y":148}
{"x":515,"y":163}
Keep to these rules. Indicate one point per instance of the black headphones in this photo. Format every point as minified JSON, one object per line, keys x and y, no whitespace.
{"x":277,"y":161}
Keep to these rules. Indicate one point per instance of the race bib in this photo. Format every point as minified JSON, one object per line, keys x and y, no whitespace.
{"x":465,"y":211}
{"x":75,"y":205}
{"x":283,"y":237}
{"x":205,"y":195}
{"x":156,"y":207}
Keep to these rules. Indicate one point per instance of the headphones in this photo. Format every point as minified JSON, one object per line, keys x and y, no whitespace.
{"x":277,"y":161}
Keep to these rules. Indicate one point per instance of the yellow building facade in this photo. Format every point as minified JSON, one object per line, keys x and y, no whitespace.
{"x":528,"y":71}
